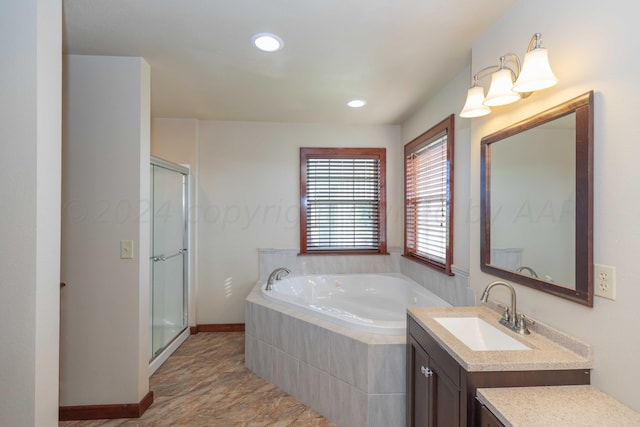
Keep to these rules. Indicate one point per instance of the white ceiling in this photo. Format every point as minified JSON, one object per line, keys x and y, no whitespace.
{"x":394,"y":53}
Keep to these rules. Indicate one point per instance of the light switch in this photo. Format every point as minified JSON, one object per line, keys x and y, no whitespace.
{"x":126,"y":249}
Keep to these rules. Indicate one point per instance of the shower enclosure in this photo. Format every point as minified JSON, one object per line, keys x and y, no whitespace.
{"x":169,"y":259}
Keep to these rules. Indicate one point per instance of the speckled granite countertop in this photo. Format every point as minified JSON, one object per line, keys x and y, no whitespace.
{"x":550,"y":349}
{"x":574,"y":405}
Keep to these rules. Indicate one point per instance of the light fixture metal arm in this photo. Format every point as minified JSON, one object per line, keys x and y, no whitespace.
{"x":515,"y":59}
{"x":486,"y":71}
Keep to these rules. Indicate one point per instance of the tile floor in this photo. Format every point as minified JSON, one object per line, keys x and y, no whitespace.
{"x":205,"y":383}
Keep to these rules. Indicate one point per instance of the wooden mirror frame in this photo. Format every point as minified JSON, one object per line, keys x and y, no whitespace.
{"x":582,"y":106}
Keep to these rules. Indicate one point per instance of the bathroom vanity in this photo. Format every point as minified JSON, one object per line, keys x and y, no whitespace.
{"x":447,"y":363}
{"x":572,"y":405}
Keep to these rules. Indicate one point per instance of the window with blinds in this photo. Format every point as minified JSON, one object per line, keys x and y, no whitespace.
{"x":429,"y":197}
{"x":342,"y":200}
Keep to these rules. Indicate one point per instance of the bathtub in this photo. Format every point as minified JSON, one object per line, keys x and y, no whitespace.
{"x":375,"y":303}
{"x":336,"y":342}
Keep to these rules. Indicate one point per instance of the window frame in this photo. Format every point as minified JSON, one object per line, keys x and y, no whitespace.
{"x":346,"y":153}
{"x":445,"y":126}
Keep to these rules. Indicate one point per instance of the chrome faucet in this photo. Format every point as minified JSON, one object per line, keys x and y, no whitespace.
{"x":276,"y":275}
{"x":510,"y":318}
{"x":529,"y":269}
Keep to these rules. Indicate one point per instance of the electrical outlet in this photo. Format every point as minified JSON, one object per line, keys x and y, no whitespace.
{"x":605,"y":281}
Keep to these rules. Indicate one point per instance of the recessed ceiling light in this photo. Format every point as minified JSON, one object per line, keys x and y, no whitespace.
{"x":357,"y":103}
{"x":267,"y":42}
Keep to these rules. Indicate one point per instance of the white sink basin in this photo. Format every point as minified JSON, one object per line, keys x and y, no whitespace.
{"x":479,"y":335}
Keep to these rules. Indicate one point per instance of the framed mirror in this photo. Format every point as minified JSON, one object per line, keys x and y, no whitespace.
{"x":537,"y":201}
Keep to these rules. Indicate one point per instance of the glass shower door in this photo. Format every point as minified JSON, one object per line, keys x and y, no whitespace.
{"x":169,"y":243}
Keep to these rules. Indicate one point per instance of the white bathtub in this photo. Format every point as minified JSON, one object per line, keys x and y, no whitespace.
{"x":374,"y":303}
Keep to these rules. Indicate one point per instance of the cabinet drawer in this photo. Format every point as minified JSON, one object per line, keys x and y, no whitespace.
{"x":447,"y":364}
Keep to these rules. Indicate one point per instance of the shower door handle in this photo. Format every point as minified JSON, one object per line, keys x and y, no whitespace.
{"x":166,"y":257}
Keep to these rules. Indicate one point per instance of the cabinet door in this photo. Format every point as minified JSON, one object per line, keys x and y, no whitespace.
{"x":433,"y":400}
{"x":445,"y":397}
{"x":418,"y":387}
{"x":487,"y":419}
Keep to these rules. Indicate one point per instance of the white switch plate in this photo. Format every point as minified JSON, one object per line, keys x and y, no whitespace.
{"x":126,"y":249}
{"x":605,"y":281}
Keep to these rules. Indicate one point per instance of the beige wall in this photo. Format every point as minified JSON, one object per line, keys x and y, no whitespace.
{"x":30,"y":122}
{"x":248,"y":197}
{"x":591,"y":47}
{"x":104,"y":320}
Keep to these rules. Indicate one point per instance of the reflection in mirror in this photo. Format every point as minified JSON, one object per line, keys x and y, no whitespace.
{"x":537,"y":201}
{"x":533,"y":190}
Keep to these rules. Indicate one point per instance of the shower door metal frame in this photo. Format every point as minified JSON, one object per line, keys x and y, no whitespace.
{"x":185,"y":172}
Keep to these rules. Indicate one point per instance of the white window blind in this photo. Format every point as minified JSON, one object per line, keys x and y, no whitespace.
{"x":427,"y":200}
{"x":342,"y":204}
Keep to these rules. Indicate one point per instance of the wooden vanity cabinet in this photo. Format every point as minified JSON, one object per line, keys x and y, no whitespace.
{"x":434,"y":394}
{"x":487,"y":419}
{"x":440,"y":392}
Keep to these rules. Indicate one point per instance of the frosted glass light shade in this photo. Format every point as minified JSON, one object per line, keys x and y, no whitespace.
{"x":536,"y":72}
{"x":500,"y":92}
{"x":474,"y":107}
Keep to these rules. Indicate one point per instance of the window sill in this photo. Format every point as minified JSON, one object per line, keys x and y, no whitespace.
{"x":437,"y":267}
{"x":342,"y":253}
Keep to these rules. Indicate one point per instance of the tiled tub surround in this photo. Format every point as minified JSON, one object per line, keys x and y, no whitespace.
{"x":453,"y":289}
{"x":353,"y":378}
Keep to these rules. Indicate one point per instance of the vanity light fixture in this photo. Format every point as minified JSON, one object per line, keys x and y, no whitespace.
{"x":500,"y":90}
{"x":357,"y":103}
{"x":535,"y":74}
{"x":267,"y":42}
{"x":474,"y":106}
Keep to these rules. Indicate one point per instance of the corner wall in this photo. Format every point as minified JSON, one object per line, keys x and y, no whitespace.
{"x":30,"y":122}
{"x":105,"y":305}
{"x":447,"y":101}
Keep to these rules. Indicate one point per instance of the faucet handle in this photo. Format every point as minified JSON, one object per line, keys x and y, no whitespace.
{"x":521,"y":324}
{"x":506,"y":314}
{"x":527,"y":321}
